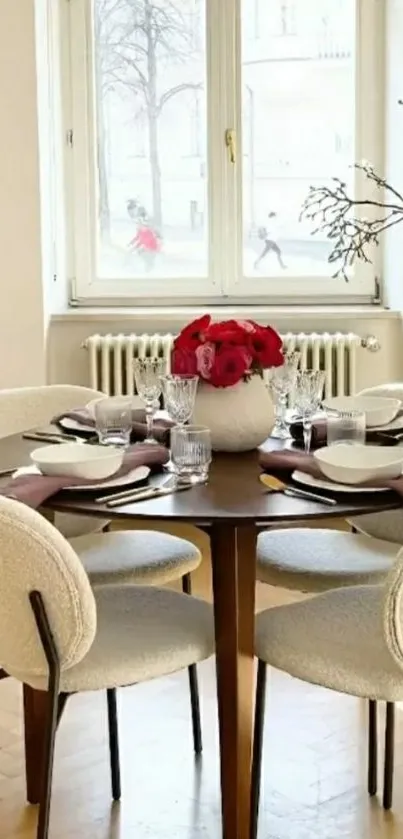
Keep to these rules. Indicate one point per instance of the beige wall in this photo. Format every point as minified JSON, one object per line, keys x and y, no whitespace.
{"x":68,"y":361}
{"x":22,"y":339}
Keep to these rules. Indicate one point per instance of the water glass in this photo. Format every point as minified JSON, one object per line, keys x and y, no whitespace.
{"x":147,"y":376}
{"x":347,"y":427}
{"x":113,"y":420}
{"x":191,"y":452}
{"x":307,"y":398}
{"x":179,"y":394}
{"x":282,"y":383}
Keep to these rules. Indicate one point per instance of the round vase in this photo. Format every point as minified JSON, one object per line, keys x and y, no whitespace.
{"x":240,"y":417}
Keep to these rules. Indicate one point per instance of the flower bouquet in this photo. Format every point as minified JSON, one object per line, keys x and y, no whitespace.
{"x":229,"y":357}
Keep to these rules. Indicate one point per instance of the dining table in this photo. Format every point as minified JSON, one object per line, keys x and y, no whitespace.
{"x":232,"y":508}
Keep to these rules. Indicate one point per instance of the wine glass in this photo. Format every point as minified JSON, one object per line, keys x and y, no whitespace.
{"x":147,"y":376}
{"x":179,"y":394}
{"x":282,"y":383}
{"x":308,"y":396}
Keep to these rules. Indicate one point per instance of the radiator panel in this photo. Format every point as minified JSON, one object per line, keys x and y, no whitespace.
{"x":110,"y":358}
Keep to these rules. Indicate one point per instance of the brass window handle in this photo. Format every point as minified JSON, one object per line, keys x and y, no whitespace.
{"x":230,"y":142}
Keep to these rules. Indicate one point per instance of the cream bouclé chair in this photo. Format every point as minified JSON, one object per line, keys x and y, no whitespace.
{"x":349,"y":640}
{"x":315,"y":560}
{"x":387,"y":525}
{"x":134,"y":556}
{"x":73,"y":638}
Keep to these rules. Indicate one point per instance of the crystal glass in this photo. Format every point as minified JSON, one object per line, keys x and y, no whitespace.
{"x":346,"y":427}
{"x":113,"y":420}
{"x":282,"y":382}
{"x":191,"y":452}
{"x":148,"y":373}
{"x":179,"y":394}
{"x":307,"y":397}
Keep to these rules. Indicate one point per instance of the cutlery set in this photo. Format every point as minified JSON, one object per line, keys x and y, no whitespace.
{"x":273,"y":484}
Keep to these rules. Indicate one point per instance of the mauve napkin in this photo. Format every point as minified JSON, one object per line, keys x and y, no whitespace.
{"x":161,"y":427}
{"x":288,"y":461}
{"x":319,"y":431}
{"x":33,"y":490}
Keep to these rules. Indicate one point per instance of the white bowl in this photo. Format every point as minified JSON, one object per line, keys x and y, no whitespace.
{"x":378,"y":410}
{"x":346,"y":464}
{"x":76,"y":460}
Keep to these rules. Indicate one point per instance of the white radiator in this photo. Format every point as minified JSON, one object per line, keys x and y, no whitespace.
{"x":111,"y":357}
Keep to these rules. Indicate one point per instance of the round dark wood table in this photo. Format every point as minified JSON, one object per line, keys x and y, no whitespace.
{"x":232,"y":508}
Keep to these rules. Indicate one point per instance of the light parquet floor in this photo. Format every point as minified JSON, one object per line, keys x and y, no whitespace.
{"x":314,"y":772}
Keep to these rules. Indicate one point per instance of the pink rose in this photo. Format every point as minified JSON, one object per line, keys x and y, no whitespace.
{"x":247,"y":325}
{"x":205,"y":355}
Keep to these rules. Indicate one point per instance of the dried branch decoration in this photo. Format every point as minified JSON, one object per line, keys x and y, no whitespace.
{"x":333,"y":211}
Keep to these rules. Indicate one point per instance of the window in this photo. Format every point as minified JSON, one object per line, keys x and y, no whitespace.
{"x":198,"y":127}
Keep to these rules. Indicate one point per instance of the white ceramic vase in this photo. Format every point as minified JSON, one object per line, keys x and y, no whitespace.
{"x":240,"y":417}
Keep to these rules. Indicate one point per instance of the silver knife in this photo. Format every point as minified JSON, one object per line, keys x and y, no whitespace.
{"x":152,"y":492}
{"x":117,"y":496}
{"x":293,"y":492}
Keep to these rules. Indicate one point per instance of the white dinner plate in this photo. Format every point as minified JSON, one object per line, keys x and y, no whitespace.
{"x":395,"y":425}
{"x":140,"y":473}
{"x":318,"y":483}
{"x":69,"y":424}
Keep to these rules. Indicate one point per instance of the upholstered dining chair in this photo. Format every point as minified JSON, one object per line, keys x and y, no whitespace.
{"x":124,"y":557}
{"x":349,"y":640}
{"x":73,"y":638}
{"x":389,"y":524}
{"x":315,"y":560}
{"x":25,"y":408}
{"x":312,"y":561}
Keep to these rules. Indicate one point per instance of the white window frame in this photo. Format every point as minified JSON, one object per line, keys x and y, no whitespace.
{"x":225,"y":283}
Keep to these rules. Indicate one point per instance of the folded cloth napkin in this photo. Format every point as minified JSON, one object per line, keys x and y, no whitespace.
{"x":161,"y":426}
{"x":319,"y":432}
{"x":288,"y":461}
{"x":34,"y":490}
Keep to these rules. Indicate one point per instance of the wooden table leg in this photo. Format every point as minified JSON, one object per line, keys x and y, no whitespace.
{"x":35,"y":716}
{"x":234,"y":575}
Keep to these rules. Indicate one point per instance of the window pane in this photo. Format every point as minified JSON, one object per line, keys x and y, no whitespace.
{"x":298,"y":87}
{"x":151,"y":138}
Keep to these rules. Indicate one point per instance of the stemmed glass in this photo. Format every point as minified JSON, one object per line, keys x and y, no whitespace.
{"x":308,"y":396}
{"x":147,"y":376}
{"x":282,"y":383}
{"x":179,"y":394}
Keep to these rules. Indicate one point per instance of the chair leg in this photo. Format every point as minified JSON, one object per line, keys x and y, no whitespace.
{"x":193,"y":685}
{"x":372,"y":747}
{"x":52,"y":658}
{"x":258,"y":746}
{"x":113,"y":743}
{"x":389,"y":755}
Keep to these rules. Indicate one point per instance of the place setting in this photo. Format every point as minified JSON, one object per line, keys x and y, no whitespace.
{"x":117,"y":452}
{"x":347,"y":447}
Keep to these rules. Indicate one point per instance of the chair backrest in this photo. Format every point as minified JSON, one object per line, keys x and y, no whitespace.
{"x":392,"y":390}
{"x":393,"y":609}
{"x":35,"y":556}
{"x":23,"y":408}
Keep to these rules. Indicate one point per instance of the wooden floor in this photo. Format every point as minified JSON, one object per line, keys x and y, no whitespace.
{"x":314,"y":773}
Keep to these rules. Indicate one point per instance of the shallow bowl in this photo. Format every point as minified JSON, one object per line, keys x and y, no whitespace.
{"x":346,"y":464}
{"x":76,"y":460}
{"x":378,"y":410}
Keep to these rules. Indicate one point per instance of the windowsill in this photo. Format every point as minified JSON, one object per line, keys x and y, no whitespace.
{"x":169,"y":315}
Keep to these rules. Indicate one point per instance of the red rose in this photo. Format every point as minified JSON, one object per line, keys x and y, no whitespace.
{"x":266,"y":346}
{"x":230,"y":365}
{"x":227,"y":332}
{"x":183,"y":362}
{"x":194,"y":334}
